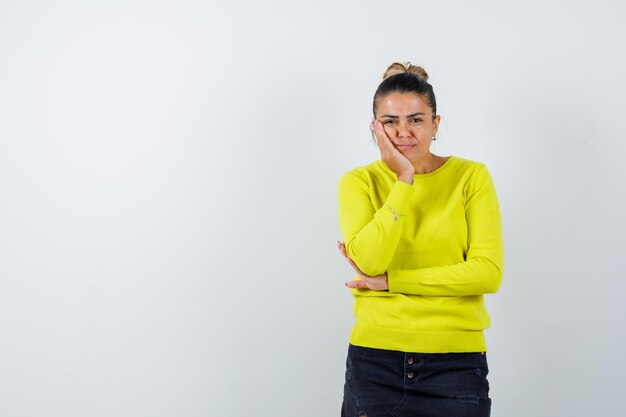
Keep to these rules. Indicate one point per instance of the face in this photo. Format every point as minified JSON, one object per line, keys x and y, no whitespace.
{"x":409,"y":123}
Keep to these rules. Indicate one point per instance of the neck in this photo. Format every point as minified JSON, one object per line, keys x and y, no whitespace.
{"x":426,"y":164}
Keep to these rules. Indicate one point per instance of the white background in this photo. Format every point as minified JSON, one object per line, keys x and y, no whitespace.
{"x":168,"y":174}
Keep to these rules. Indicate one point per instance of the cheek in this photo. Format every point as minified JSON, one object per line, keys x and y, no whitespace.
{"x":425,"y":131}
{"x":388,"y":130}
{"x":419,"y":132}
{"x":423,"y":136}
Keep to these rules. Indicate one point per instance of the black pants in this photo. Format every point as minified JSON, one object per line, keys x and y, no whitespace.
{"x":391,"y":383}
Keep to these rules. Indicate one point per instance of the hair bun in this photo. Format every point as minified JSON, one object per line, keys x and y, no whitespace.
{"x":400,"y":68}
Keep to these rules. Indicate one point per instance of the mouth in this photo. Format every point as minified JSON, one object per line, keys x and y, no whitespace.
{"x":403,"y":146}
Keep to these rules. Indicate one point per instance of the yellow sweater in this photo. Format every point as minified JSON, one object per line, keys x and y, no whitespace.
{"x":440,"y":243}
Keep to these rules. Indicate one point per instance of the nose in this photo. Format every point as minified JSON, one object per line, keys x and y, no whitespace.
{"x":403,"y":130}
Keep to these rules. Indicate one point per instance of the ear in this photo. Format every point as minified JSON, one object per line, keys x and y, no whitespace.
{"x":436,"y":121}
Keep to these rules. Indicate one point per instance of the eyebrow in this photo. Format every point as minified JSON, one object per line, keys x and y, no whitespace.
{"x":390,"y":116}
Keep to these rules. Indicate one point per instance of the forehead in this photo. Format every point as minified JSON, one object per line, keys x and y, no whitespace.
{"x":402,"y":104}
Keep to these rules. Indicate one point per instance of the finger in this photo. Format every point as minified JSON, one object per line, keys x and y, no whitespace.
{"x":381,"y":136}
{"x":378,"y":133}
{"x":385,"y":146}
{"x":356,"y":284}
{"x":356,"y":268}
{"x":342,"y":249}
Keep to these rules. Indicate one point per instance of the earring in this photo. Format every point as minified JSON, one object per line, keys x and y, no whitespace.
{"x":434,"y":138}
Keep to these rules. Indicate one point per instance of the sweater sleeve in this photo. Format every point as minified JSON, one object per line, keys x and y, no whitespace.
{"x":371,"y":236}
{"x":481,"y":271}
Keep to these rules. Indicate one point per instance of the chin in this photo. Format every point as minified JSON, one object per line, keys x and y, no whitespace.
{"x":410,"y":152}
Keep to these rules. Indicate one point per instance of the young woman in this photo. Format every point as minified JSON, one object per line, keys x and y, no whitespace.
{"x":423,"y":233}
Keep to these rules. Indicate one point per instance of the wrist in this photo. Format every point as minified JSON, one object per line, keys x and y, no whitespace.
{"x":406,"y":178}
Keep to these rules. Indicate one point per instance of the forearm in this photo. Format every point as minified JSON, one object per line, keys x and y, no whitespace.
{"x":474,"y":277}
{"x":373,"y":245}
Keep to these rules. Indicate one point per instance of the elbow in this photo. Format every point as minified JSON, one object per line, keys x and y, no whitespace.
{"x":489,"y":275}
{"x":371,"y":269}
{"x":492,"y":285}
{"x":369,"y":265}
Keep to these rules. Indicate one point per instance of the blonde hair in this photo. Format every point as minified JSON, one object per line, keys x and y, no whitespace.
{"x":400,"y":68}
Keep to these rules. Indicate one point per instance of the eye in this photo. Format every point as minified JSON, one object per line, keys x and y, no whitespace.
{"x":416,"y":120}
{"x":390,"y":122}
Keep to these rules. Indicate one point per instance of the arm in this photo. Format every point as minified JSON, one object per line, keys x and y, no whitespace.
{"x":371,"y":236}
{"x":377,"y":283}
{"x":481,"y":272}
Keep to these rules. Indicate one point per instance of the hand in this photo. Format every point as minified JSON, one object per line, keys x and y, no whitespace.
{"x":394,"y":159}
{"x":376,"y":283}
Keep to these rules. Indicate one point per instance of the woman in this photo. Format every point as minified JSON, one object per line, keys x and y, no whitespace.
{"x":423,"y":233}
